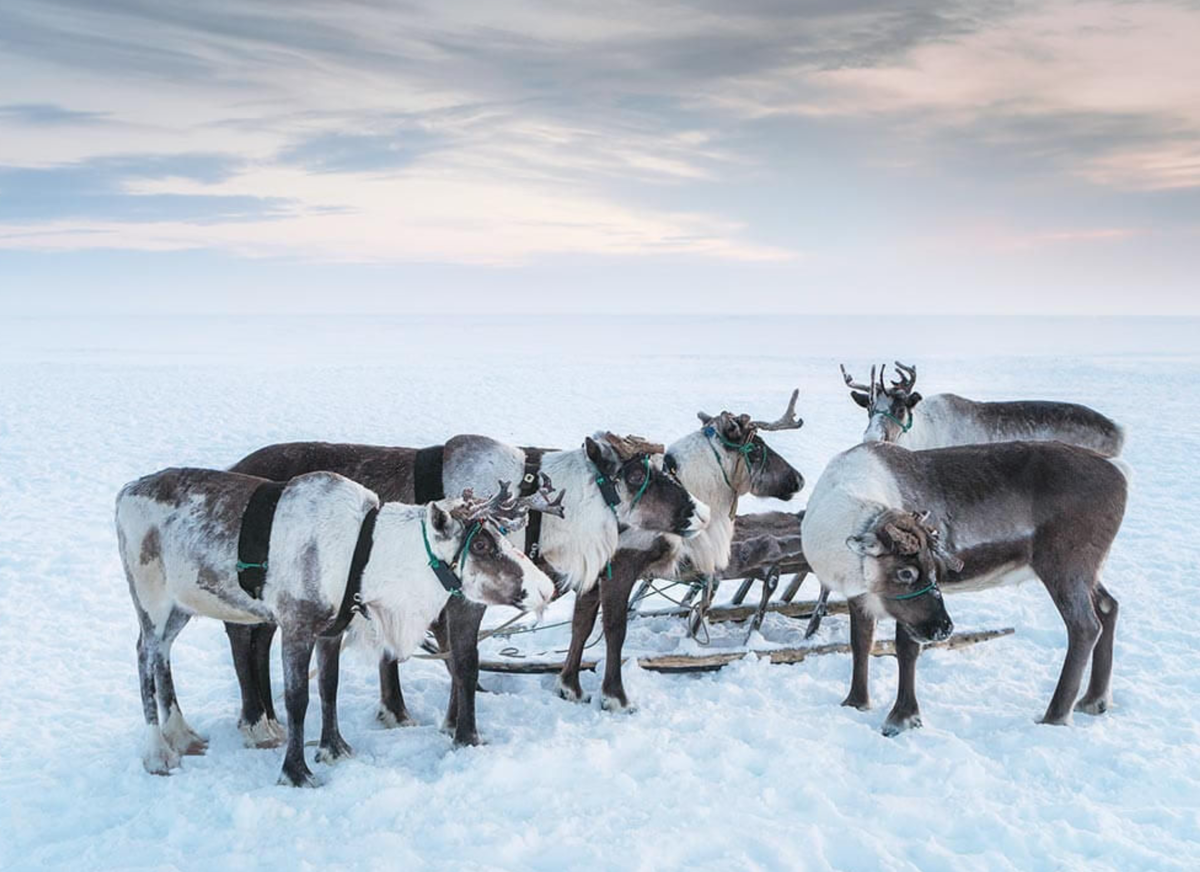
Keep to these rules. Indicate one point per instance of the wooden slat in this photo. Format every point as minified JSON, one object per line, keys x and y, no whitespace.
{"x":717,"y":614}
{"x":717,"y":659}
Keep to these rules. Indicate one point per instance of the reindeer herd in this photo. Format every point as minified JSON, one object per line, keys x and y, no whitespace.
{"x":333,"y":543}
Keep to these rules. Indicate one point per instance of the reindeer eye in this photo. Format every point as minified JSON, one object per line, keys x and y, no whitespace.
{"x":907,"y":574}
{"x":482,"y":545}
{"x":636,"y":476}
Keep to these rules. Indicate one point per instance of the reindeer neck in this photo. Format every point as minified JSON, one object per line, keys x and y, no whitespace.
{"x":398,"y":557}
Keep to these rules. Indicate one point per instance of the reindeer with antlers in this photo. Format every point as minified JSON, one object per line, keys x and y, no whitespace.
{"x":338,"y":561}
{"x":898,"y":414}
{"x":612,"y":482}
{"x":722,"y":461}
{"x":1006,"y":512}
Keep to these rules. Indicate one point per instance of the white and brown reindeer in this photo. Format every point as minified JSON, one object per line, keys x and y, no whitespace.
{"x":179,"y":531}
{"x":723,"y":460}
{"x":611,"y":483}
{"x":898,"y":413}
{"x":1003,"y":513}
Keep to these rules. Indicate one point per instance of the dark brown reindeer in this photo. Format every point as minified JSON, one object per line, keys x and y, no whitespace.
{"x":608,"y":482}
{"x":722,"y":461}
{"x":1006,"y":512}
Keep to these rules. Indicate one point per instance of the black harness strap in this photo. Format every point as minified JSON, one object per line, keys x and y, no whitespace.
{"x":254,"y":540}
{"x":352,"y":598}
{"x":427,"y":475}
{"x":529,"y":486}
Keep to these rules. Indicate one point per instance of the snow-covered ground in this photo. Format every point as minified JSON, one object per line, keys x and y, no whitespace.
{"x":754,"y":767}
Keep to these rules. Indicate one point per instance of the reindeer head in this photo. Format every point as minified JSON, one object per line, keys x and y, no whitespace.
{"x":468,"y":535}
{"x":747,"y":462}
{"x":889,"y":409}
{"x":903,"y":561}
{"x":629,"y":474}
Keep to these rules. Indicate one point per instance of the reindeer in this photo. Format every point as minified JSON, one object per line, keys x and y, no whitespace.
{"x":611,"y":482}
{"x":944,"y":420}
{"x":391,"y":567}
{"x":722,"y":461}
{"x":1006,"y":512}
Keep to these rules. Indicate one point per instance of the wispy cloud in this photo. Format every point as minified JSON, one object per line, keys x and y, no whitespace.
{"x":831,"y":132}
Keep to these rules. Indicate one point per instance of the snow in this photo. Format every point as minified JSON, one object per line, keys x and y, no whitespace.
{"x":753,"y":767}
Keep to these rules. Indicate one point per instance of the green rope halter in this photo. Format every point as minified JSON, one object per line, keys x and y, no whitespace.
{"x":916,"y":593}
{"x":742,"y":449}
{"x":904,"y":428}
{"x":439,"y":567}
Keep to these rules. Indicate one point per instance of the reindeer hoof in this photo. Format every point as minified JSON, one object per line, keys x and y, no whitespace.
{"x":391,"y":720}
{"x":861,"y":703}
{"x":469,"y":741}
{"x":296,"y":776}
{"x":616,"y":704}
{"x":571,"y":693}
{"x":336,"y":750}
{"x":158,"y":757}
{"x":1093,"y":706}
{"x":264,"y":733}
{"x":161,"y":763}
{"x":198,"y":747}
{"x":894,"y":726}
{"x":1056,"y":720}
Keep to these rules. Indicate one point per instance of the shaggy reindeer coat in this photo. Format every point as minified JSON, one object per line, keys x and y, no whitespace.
{"x":715,"y":474}
{"x":178,"y":534}
{"x":575,"y":548}
{"x":1009,"y":512}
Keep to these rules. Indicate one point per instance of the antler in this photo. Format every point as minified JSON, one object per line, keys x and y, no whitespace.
{"x":907,"y":380}
{"x":631,"y":446}
{"x":540,"y":500}
{"x":508,"y":510}
{"x":859,"y":386}
{"x":474,"y":509}
{"x":935,"y":539}
{"x":788,"y":421}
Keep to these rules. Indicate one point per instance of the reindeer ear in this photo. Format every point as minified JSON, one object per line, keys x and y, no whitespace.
{"x":914,"y":398}
{"x":704,"y":418}
{"x":861,"y":398}
{"x":866,"y":545}
{"x":603,"y":455}
{"x":439,"y":520}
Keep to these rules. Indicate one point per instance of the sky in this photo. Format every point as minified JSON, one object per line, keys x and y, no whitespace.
{"x":839,"y":156}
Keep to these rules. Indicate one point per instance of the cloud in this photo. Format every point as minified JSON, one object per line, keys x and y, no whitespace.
{"x":104,"y":190}
{"x":482,"y":134}
{"x":48,"y":114}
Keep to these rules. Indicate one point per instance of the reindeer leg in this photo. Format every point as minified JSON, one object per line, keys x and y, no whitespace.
{"x":297,"y":654}
{"x":1073,"y":597}
{"x":157,"y":756}
{"x":615,"y":595}
{"x":250,"y":645}
{"x":261,"y":636}
{"x":1098,"y":698}
{"x":392,"y":711}
{"x":862,"y":637}
{"x":332,"y":747}
{"x":463,"y":619}
{"x":582,"y":622}
{"x":181,"y":738}
{"x":906,"y":712}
